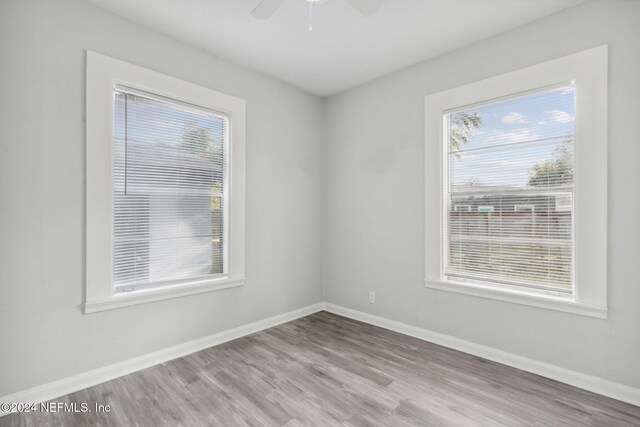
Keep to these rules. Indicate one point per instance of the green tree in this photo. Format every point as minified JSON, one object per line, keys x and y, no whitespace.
{"x":462,"y":127}
{"x":197,"y":139}
{"x":553,"y":172}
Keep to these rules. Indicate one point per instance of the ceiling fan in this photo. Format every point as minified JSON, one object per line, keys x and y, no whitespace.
{"x":266,"y":8}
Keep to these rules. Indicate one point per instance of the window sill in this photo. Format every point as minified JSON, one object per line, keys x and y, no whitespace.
{"x":520,"y":297}
{"x":149,"y":295}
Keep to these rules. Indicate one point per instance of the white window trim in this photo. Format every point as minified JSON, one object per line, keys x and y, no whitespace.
{"x":103,"y":73}
{"x":588,"y":70}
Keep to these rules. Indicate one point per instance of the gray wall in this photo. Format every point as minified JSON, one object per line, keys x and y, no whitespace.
{"x":374,"y":201}
{"x":43,"y":334}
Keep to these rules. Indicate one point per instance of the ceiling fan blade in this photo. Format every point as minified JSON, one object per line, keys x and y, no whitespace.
{"x":266,"y":8}
{"x":366,"y":7}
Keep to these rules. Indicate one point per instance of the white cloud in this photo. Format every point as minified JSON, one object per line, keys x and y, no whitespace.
{"x":514,"y":118}
{"x":509,"y":137}
{"x":503,"y":163}
{"x":559,"y":116}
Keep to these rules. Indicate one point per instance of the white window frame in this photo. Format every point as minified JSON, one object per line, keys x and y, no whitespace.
{"x":588,"y":71}
{"x":103,"y":74}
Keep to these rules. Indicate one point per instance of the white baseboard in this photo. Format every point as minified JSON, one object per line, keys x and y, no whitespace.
{"x":592,"y":383}
{"x":72,"y":384}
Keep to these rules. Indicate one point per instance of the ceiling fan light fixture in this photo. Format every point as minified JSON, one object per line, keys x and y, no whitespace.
{"x":266,"y":8}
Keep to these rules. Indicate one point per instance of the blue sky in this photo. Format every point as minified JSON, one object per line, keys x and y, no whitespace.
{"x":529,"y":129}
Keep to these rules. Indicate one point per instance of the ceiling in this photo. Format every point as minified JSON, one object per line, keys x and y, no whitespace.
{"x":344,"y":49}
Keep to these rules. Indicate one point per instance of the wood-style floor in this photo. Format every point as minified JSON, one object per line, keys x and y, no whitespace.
{"x":327,"y":370}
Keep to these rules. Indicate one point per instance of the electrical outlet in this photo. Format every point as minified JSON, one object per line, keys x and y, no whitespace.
{"x":372,"y":297}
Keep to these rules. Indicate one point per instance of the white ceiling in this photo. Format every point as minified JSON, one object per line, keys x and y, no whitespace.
{"x":344,"y":49}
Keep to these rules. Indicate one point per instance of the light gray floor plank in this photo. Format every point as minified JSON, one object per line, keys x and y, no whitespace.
{"x":327,"y":370}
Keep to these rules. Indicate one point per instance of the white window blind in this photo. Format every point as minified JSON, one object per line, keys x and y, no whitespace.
{"x":509,"y":185}
{"x":169,"y":191}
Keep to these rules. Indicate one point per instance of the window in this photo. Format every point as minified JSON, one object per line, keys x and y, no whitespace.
{"x":517,"y":164}
{"x":509,"y":161}
{"x":169,"y":188}
{"x":165,"y":178}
